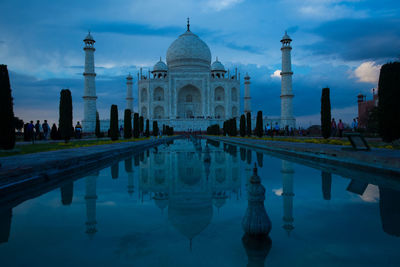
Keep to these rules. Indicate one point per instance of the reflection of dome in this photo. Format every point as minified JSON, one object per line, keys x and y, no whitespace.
{"x":190,"y":213}
{"x":190,"y":50}
{"x":161,"y":200}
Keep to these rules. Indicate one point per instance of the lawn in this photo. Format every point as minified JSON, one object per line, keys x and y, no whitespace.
{"x":42,"y":147}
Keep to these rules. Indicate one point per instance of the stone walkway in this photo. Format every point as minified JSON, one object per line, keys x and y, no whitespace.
{"x":379,"y":160}
{"x":15,"y":169}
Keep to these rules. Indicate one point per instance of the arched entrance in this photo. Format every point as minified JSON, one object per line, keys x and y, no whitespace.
{"x":189,"y":102}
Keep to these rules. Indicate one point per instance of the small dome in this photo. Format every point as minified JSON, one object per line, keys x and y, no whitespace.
{"x":217,"y":66}
{"x":89,"y":37}
{"x":286,"y":38}
{"x":188,"y":50}
{"x":129,"y":77}
{"x":247,"y":77}
{"x":160,"y":66}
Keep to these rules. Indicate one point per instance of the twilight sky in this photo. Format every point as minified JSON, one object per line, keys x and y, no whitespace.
{"x":336,"y":43}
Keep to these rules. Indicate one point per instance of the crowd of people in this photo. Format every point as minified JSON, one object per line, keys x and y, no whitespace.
{"x":38,"y":131}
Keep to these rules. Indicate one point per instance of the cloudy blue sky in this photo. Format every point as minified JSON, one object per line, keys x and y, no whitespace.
{"x":336,"y":43}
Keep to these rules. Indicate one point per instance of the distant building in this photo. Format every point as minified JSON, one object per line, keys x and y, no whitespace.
{"x":364,"y":107}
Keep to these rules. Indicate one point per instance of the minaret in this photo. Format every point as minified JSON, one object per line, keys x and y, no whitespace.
{"x":90,"y":199}
{"x":287,"y":194}
{"x":89,"y":94}
{"x":247,"y":98}
{"x":287,"y":118}
{"x":129,"y":94}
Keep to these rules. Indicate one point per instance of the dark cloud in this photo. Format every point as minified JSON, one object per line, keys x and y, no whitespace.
{"x":359,"y":39}
{"x":134,"y":29}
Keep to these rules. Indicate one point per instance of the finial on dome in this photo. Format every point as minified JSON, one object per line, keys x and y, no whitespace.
{"x":188,"y":25}
{"x":160,"y":59}
{"x":216,"y":59}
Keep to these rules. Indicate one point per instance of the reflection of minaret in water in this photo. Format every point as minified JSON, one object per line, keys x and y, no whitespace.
{"x":287,"y":194}
{"x":326,"y":185}
{"x":91,"y":198}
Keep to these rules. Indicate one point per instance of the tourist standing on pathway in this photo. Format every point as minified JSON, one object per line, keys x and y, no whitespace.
{"x":31,"y":132}
{"x":354,"y":125}
{"x":78,"y":130}
{"x":333,"y":127}
{"x":38,"y":128}
{"x":46,"y":129}
{"x":340,"y":128}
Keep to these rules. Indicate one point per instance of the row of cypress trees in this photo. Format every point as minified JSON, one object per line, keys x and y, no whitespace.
{"x":138,"y":125}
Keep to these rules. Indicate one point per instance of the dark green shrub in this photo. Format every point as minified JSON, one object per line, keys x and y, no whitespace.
{"x":141,"y":125}
{"x":259,"y":124}
{"x":389,"y":95}
{"x":114,"y":132}
{"x":136,"y":125}
{"x":97,"y":127}
{"x":147,"y":132}
{"x":155,"y":128}
{"x":248,"y":123}
{"x":66,"y":127}
{"x":325,"y":114}
{"x":242,"y":125}
{"x":7,"y":127}
{"x":127,"y":124}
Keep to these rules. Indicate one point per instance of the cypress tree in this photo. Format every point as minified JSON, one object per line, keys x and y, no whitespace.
{"x":242,"y":125}
{"x":259,"y":124}
{"x":248,"y":123}
{"x":388,"y":107}
{"x":127,"y":124}
{"x":147,"y":132}
{"x":141,"y":124}
{"x":325,"y":114}
{"x":7,"y":127}
{"x":65,"y":125}
{"x":224,"y":131}
{"x":233,"y":127}
{"x":114,"y":123}
{"x":97,"y":128}
{"x":155,"y":128}
{"x":136,"y":125}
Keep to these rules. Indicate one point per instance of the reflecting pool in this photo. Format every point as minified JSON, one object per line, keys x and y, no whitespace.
{"x":182,"y":204}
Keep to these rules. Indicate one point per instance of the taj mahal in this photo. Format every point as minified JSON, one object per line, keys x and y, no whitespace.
{"x":188,"y":92}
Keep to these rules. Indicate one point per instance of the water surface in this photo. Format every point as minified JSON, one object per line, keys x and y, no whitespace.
{"x":167,"y":207}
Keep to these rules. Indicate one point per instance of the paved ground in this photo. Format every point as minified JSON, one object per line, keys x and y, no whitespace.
{"x":377,"y":159}
{"x":16,"y":168}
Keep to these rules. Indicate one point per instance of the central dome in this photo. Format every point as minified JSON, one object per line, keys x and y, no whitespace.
{"x":188,"y":50}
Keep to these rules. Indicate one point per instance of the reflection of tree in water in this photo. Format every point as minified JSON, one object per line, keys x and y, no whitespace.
{"x":115,"y":171}
{"x":67,"y":191}
{"x":5,"y":225}
{"x":248,"y":156}
{"x":243,"y":154}
{"x":389,"y":204}
{"x":326,"y":185}
{"x":260,"y":157}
